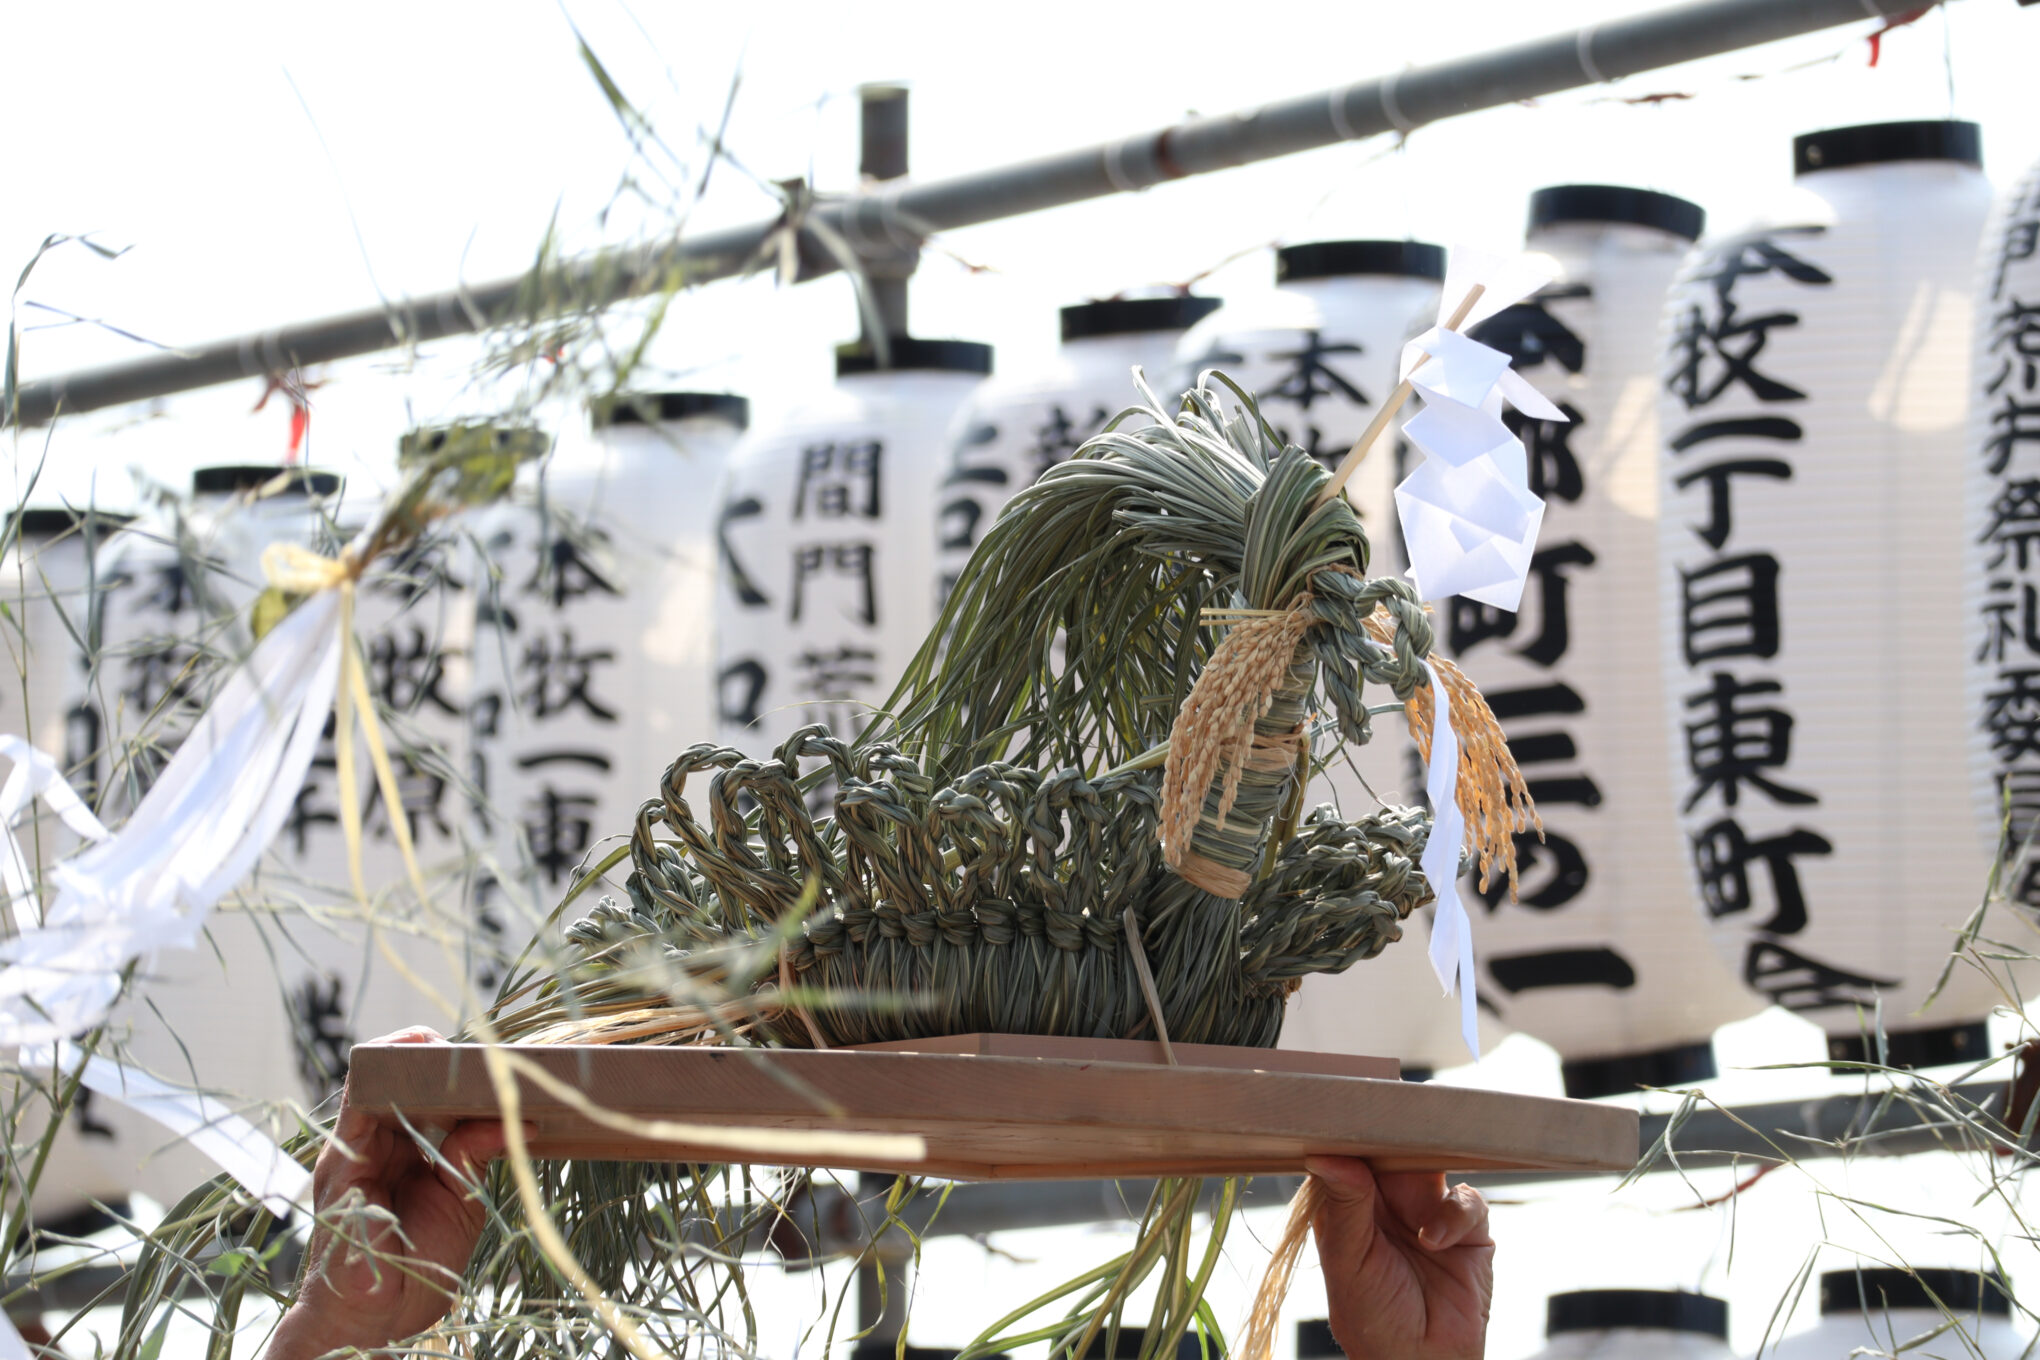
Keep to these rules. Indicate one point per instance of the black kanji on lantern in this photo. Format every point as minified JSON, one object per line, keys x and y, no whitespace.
{"x":406,"y":674}
{"x":1552,"y":871}
{"x":959,"y":516}
{"x":1733,"y":744}
{"x":560,"y":824}
{"x":314,"y":807}
{"x":2015,"y":347}
{"x":1059,"y":436}
{"x":1722,"y":856}
{"x":1729,"y":607}
{"x":840,"y":480}
{"x":836,"y":683}
{"x":733,"y":511}
{"x":1595,"y":967}
{"x":1716,"y":347}
{"x":2011,"y":620}
{"x":162,"y":673}
{"x":82,"y":1118}
{"x":1720,"y":479}
{"x":1529,"y":334}
{"x":564,"y":569}
{"x":170,"y":590}
{"x":2011,"y":713}
{"x":421,"y":788}
{"x":851,"y":560}
{"x":739,"y":689}
{"x":319,"y":1024}
{"x":1547,"y":445}
{"x":1800,"y":983}
{"x":554,"y":676}
{"x":560,"y":827}
{"x":2014,"y":523}
{"x":1307,"y":377}
{"x":2012,"y":423}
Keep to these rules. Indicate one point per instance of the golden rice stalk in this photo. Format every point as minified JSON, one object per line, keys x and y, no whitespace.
{"x":1215,"y":727}
{"x":1492,"y":794}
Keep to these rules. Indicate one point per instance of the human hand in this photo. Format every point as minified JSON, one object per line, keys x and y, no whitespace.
{"x":394,"y":1230}
{"x":1409,"y":1266}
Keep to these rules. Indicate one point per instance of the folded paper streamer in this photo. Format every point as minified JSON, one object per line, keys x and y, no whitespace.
{"x":1470,"y":523}
{"x":1451,"y":930}
{"x":203,"y":1121}
{"x":195,"y":835}
{"x":1469,"y":518}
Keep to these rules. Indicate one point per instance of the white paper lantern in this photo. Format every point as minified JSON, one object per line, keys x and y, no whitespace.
{"x":1594,"y":957}
{"x":1870,"y":1311}
{"x":594,"y":653}
{"x":176,"y":584}
{"x":1635,"y":1324}
{"x":1014,"y":429}
{"x":44,"y":580}
{"x":1320,"y":353}
{"x":827,"y":585}
{"x":353,"y":973}
{"x":2001,"y":473}
{"x":1816,"y":370}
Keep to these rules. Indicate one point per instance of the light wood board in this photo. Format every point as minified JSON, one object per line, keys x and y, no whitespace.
{"x":1008,"y":1118}
{"x":1234,"y":1057}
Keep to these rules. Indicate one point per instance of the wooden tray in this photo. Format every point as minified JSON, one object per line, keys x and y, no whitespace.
{"x":1009,"y":1117}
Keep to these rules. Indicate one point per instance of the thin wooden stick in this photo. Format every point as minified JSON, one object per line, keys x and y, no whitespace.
{"x":1395,"y":401}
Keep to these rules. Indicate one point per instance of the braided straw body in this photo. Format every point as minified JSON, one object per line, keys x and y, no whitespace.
{"x":1180,"y":595}
{"x":995,"y":904}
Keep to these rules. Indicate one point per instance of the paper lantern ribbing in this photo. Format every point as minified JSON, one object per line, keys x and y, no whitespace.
{"x":1593,"y":956}
{"x":594,"y":660}
{"x":2001,"y":474}
{"x":1320,"y":351}
{"x":827,"y":581}
{"x":1635,"y":1324}
{"x":1014,"y":429}
{"x":1864,"y":1311}
{"x":1815,"y":374}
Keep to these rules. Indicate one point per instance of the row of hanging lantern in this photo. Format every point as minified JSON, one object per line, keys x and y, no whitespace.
{"x":1810,"y":792}
{"x":1813,"y":376}
{"x":1815,"y":390}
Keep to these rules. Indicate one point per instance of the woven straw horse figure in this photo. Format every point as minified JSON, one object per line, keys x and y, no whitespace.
{"x":1104,"y":741}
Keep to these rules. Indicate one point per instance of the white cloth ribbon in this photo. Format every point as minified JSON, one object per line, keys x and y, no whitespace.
{"x":35,"y":775}
{"x":196,"y":834}
{"x":203,"y":1121}
{"x":1451,"y":928}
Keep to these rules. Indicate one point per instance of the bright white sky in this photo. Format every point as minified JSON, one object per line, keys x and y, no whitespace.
{"x":273,"y":163}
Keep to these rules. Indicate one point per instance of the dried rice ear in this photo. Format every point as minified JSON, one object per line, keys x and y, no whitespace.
{"x":1492,"y":793}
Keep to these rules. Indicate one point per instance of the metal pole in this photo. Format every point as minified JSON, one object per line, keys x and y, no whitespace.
{"x":883,"y":221}
{"x":882,"y":156}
